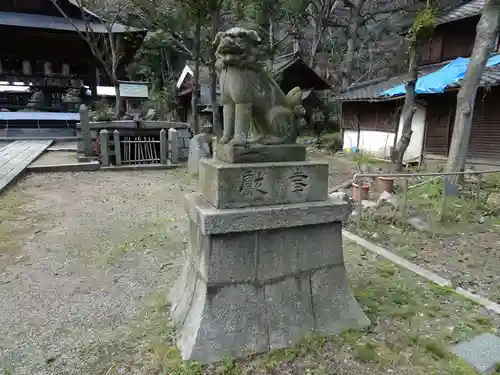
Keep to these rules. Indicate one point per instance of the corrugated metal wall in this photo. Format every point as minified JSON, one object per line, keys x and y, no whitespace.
{"x":380,"y":116}
{"x":484,"y":141}
{"x":440,"y":111}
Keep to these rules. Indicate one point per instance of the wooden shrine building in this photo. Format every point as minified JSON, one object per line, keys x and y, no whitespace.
{"x":40,"y":49}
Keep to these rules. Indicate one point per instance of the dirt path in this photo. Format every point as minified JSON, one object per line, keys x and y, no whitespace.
{"x":86,"y":254}
{"x":340,"y":168}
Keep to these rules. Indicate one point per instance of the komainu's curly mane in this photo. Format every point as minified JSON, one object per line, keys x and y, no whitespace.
{"x":238,"y":47}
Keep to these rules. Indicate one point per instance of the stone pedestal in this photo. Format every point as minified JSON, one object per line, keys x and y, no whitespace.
{"x":264,"y":264}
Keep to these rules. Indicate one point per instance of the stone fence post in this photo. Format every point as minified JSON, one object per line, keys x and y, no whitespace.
{"x":173,"y":145}
{"x":116,"y":142}
{"x":103,"y":140}
{"x":163,"y":147}
{"x":85,"y":130}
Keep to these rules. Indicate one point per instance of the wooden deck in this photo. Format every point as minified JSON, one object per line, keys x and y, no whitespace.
{"x":16,"y":156}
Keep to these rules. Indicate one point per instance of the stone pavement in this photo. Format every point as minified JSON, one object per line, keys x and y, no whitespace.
{"x":16,"y":156}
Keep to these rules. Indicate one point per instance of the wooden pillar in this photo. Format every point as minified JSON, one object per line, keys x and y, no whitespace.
{"x":66,"y":70}
{"x":163,"y":147}
{"x":47,"y":68}
{"x":26,"y":67}
{"x":93,"y":81}
{"x":97,"y":77}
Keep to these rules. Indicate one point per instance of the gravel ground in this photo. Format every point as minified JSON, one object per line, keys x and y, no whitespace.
{"x":85,"y":253}
{"x":341,"y":169}
{"x":82,"y":255}
{"x":56,"y":157}
{"x":86,"y":260}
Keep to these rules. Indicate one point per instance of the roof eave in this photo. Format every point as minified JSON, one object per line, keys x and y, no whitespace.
{"x":438,"y":23}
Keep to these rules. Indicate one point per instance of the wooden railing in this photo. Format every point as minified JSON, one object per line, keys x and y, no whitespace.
{"x":134,"y":150}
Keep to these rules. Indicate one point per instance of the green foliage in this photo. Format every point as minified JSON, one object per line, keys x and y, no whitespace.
{"x":102,"y":112}
{"x":290,"y":15}
{"x":229,"y":367}
{"x":331,"y":142}
{"x":149,"y":61}
{"x":365,"y":352}
{"x":423,"y":26}
{"x":71,"y":95}
{"x":175,"y":20}
{"x":162,"y":102}
{"x":364,"y":158}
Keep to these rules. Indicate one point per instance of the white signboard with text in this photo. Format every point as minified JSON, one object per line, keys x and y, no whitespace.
{"x":133,"y":90}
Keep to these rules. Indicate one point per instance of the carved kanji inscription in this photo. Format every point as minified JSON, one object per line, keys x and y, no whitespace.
{"x":253,"y":183}
{"x":299,"y":181}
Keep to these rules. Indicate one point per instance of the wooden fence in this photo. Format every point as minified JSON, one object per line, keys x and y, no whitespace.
{"x":134,"y":150}
{"x":140,"y":132}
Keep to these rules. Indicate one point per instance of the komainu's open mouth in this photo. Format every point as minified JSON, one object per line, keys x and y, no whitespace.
{"x":229,"y":47}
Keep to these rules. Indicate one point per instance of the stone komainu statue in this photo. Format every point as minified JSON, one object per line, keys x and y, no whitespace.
{"x":251,"y":99}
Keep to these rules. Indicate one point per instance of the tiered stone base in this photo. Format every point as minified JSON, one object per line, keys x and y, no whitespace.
{"x":261,"y":278}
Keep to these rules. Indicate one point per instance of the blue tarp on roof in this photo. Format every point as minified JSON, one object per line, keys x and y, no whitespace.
{"x":436,"y":83}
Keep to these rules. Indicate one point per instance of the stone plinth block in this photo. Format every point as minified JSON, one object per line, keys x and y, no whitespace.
{"x":227,"y":185}
{"x":212,"y":221}
{"x":261,"y":281}
{"x":253,"y":153}
{"x":482,"y":352}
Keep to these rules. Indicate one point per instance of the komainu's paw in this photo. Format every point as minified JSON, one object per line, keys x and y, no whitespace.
{"x":270,"y":140}
{"x":256,"y":139}
{"x":238,"y":141}
{"x":224,"y":140}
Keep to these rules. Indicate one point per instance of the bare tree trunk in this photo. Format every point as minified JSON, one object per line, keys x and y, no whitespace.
{"x":266,"y":24}
{"x":352,"y":35}
{"x":213,"y":74}
{"x":484,"y":45}
{"x":113,"y":72}
{"x":163,"y":73}
{"x":319,"y":12}
{"x":118,"y":103}
{"x":316,"y":40}
{"x":348,"y":63}
{"x":271,"y":47}
{"x":407,"y":113}
{"x":170,"y":72}
{"x":194,"y":97}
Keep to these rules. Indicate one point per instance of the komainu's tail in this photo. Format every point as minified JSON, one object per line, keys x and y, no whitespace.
{"x":294,"y":97}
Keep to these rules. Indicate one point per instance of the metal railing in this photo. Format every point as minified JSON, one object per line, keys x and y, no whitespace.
{"x":448,"y":189}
